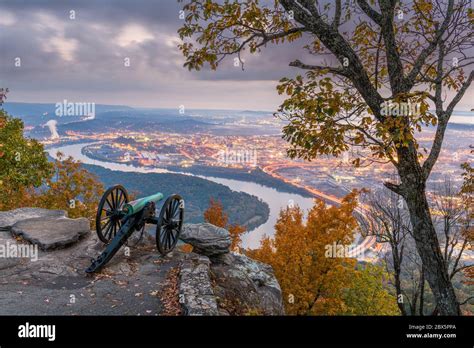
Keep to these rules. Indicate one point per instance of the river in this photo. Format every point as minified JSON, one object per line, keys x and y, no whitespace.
{"x":276,"y":200}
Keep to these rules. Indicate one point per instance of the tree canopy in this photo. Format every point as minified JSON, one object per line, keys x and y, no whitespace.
{"x":313,"y":283}
{"x":375,"y":71}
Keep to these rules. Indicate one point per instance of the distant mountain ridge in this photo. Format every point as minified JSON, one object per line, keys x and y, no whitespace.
{"x":31,"y":109}
{"x":121,"y":117}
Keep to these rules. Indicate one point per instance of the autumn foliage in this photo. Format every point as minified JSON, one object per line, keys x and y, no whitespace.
{"x":215,"y":215}
{"x":71,"y":188}
{"x":28,"y":179}
{"x":312,"y":283}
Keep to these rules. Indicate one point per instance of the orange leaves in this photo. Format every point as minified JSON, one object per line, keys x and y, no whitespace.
{"x":71,"y":188}
{"x":235,"y":232}
{"x":169,"y":296}
{"x":311,"y":282}
{"x":215,"y":215}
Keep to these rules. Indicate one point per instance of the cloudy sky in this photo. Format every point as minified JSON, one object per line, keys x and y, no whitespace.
{"x":82,"y":60}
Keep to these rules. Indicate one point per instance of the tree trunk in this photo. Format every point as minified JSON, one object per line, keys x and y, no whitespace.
{"x":397,"y":273}
{"x":413,"y":188}
{"x":422,"y":290}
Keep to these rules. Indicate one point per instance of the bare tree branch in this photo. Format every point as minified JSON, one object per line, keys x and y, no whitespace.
{"x":443,"y":120}
{"x":427,"y":51}
{"x":374,"y":15}
{"x":337,"y":15}
{"x":460,"y":94}
{"x":338,"y":71}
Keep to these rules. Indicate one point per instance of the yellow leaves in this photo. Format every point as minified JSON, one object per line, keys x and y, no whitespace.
{"x":470,"y":15}
{"x":313,"y":110}
{"x":215,"y":215}
{"x":367,"y":294}
{"x":314,"y":282}
{"x":359,"y":138}
{"x":72,"y":188}
{"x":366,"y":121}
{"x":423,"y":6}
{"x":226,"y":28}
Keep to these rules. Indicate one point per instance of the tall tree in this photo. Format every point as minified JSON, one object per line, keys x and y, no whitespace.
{"x":315,"y":282}
{"x":27,"y":178}
{"x":23,"y":163}
{"x":387,"y":56}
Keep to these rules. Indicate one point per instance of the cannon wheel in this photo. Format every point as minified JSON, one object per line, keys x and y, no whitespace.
{"x":170,"y":223}
{"x":107,"y":221}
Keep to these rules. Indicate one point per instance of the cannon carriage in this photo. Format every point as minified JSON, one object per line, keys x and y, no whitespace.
{"x":117,"y":219}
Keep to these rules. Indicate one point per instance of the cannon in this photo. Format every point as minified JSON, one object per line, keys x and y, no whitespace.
{"x":117,"y":219}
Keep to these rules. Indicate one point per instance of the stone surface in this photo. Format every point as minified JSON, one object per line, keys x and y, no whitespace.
{"x":206,"y":239}
{"x":9,"y":218}
{"x":56,"y":283}
{"x":246,"y":286}
{"x":51,"y":232}
{"x":195,"y":288}
{"x":211,"y":281}
{"x":217,"y":282}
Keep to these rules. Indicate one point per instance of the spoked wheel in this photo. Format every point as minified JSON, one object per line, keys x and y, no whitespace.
{"x":109,"y":212}
{"x":170,"y":223}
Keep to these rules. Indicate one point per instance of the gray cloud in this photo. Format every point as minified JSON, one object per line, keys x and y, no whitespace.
{"x":83,"y":59}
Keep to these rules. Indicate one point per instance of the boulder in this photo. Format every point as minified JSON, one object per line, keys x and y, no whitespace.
{"x":9,"y":218}
{"x":246,"y":286}
{"x":237,"y":284}
{"x":51,"y":232}
{"x":206,"y":239}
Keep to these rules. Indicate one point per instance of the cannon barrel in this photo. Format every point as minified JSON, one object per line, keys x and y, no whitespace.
{"x":137,"y":205}
{"x":117,"y":219}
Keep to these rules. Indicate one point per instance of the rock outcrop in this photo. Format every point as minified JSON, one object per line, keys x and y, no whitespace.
{"x":207,"y":239}
{"x":195,"y":287}
{"x":246,"y":286}
{"x":9,"y":218}
{"x":210,"y":280}
{"x":240,"y":285}
{"x":51,"y":232}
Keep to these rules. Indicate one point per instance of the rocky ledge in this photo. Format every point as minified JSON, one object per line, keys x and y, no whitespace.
{"x":215,"y":281}
{"x":210,"y":280}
